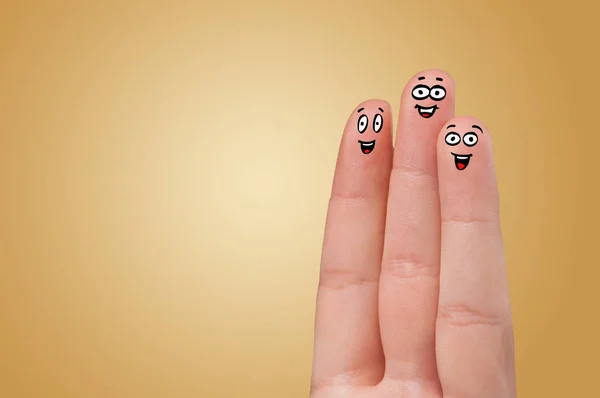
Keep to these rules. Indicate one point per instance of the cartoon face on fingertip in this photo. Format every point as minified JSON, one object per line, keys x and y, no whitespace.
{"x":429,"y":94}
{"x":368,"y":125}
{"x":469,"y":138}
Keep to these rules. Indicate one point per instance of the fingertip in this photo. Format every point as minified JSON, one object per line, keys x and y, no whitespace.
{"x":463,"y":125}
{"x":370,"y":108}
{"x":435,"y":76}
{"x":428,"y":99}
{"x":373,"y":103}
{"x":467,"y":179}
{"x":367,"y":137}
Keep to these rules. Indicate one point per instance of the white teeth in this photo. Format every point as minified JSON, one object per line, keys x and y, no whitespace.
{"x":368,"y":143}
{"x":426,"y":110}
{"x":462,"y":157}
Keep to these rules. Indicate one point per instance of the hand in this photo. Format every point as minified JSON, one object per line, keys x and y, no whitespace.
{"x":413,"y":298}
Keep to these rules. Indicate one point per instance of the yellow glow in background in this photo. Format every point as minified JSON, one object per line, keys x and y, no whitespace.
{"x":165,"y":169}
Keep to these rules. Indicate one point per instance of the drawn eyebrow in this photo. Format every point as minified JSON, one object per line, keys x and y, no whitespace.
{"x":450,"y":126}
{"x":380,"y":109}
{"x":421,"y":78}
{"x":439,"y":79}
{"x":477,"y":127}
{"x":360,"y":110}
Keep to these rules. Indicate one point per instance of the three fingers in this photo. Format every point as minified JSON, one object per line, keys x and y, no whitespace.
{"x":413,"y":289}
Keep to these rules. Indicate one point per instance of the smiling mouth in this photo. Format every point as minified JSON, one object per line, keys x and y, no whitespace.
{"x":461,"y":161}
{"x":367,"y":146}
{"x":426,"y":112}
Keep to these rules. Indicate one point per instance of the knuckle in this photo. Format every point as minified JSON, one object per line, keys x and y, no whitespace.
{"x":465,"y":316}
{"x":346,"y":199}
{"x":408,"y":268}
{"x":338,"y":278}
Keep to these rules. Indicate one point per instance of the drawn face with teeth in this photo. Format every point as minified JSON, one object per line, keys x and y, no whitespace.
{"x":363,"y":124}
{"x":469,"y":139}
{"x":424,"y":91}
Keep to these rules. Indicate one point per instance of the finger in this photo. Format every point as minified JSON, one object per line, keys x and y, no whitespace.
{"x":474,"y":329}
{"x":410,"y":267}
{"x":347,"y":341}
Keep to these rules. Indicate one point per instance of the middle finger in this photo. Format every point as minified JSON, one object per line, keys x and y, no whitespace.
{"x":409,"y":278}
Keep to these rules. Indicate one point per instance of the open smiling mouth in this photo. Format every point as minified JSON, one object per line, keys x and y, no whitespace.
{"x":461,"y":161}
{"x":367,"y":146}
{"x":426,"y":112}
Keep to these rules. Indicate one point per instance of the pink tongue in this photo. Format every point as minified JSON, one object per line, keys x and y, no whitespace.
{"x":461,"y":166}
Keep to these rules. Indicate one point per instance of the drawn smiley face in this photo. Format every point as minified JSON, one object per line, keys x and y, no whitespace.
{"x":363,"y":124}
{"x":422,"y":92}
{"x":469,"y":140}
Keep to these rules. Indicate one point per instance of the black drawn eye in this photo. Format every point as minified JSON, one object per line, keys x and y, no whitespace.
{"x":438,"y":93}
{"x":363,"y":123}
{"x":470,"y":139}
{"x":378,"y":123}
{"x":420,"y":92}
{"x":452,"y":139}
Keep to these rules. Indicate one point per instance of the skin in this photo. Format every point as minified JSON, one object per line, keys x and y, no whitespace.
{"x":413,"y":299}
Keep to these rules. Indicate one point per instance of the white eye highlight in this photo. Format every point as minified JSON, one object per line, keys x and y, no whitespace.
{"x":363,"y":123}
{"x":378,"y":123}
{"x":420,"y":92}
{"x":452,"y":139}
{"x":470,"y":139}
{"x":438,"y":93}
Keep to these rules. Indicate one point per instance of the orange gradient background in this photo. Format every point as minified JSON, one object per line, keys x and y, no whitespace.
{"x":165,"y":169}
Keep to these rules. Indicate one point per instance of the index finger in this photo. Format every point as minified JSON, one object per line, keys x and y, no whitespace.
{"x":347,"y":343}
